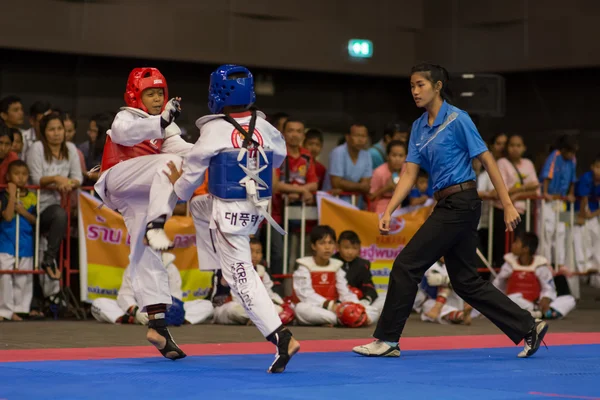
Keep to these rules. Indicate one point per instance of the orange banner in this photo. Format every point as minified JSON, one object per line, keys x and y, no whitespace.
{"x":380,"y":250}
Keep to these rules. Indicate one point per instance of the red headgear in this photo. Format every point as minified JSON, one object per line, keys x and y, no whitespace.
{"x":141,"y":79}
{"x":352,"y":315}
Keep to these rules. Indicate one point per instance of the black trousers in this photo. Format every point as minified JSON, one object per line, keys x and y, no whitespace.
{"x":53,"y":223}
{"x":450,"y":231}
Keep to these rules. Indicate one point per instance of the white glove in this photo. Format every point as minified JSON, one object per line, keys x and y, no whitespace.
{"x":141,"y":317}
{"x":171,"y":111}
{"x":437,"y":280}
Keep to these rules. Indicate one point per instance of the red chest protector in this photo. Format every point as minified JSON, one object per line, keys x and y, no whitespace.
{"x":526,"y":283}
{"x":115,"y":153}
{"x":324,"y":284}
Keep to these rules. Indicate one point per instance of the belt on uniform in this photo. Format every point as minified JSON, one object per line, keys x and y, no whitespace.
{"x":450,"y":190}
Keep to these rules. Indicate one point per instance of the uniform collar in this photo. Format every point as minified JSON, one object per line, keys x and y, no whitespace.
{"x":441,"y":117}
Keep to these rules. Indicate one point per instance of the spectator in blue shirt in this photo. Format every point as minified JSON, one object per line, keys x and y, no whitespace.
{"x":558,"y":179}
{"x":443,"y":141}
{"x":586,"y":233}
{"x":422,"y":191}
{"x":350,"y":165}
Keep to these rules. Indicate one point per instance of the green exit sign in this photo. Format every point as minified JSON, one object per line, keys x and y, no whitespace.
{"x":360,"y":48}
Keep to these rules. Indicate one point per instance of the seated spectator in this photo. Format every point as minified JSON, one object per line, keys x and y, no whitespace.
{"x":395,"y":131}
{"x":229,"y":311}
{"x":6,"y":155}
{"x":350,"y":165}
{"x":37,"y":111}
{"x":125,"y":309}
{"x":521,"y":180}
{"x":422,"y":191}
{"x":527,"y":280}
{"x":586,"y":232}
{"x":497,"y":145}
{"x":386,"y":176}
{"x":17,"y":146}
{"x":321,"y":289}
{"x":313,"y":142}
{"x":437,"y":302}
{"x":11,"y":112}
{"x":16,"y":290}
{"x":53,"y":164}
{"x":358,"y":271}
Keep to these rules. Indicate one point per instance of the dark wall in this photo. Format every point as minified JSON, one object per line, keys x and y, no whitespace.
{"x":540,"y":105}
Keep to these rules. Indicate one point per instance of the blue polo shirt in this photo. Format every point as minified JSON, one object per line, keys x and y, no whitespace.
{"x":561,"y":173}
{"x":445,"y":149}
{"x":8,"y":229}
{"x":586,"y":187}
{"x":341,"y":165}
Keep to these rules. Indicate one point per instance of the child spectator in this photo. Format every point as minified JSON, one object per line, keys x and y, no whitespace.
{"x":16,"y":291}
{"x":17,"y":146}
{"x":558,"y":178}
{"x":386,"y":176}
{"x":313,"y":142}
{"x":521,"y":180}
{"x":357,"y":269}
{"x":422,"y":191}
{"x":321,"y":289}
{"x":6,"y":155}
{"x":527,"y":280}
{"x":586,"y":232}
{"x":395,"y":131}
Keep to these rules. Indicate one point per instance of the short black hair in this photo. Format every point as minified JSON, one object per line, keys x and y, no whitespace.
{"x":596,"y":159}
{"x":255,"y":240}
{"x":394,"y":127}
{"x":289,"y":120}
{"x":313,"y":133}
{"x":358,"y":124}
{"x":529,"y":240}
{"x":567,"y":143}
{"x":350,"y":236}
{"x":39,"y":107}
{"x":277,"y":116}
{"x":423,"y":174}
{"x":395,"y":143}
{"x":7,"y":101}
{"x":320,"y":232}
{"x":5,"y":131}
{"x":17,"y":164}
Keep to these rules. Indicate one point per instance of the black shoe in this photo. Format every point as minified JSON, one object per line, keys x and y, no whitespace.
{"x":171,"y":350}
{"x":287,"y":346}
{"x":534,"y":339}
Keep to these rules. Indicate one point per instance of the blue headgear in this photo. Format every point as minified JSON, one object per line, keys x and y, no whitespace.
{"x":230,"y":92}
{"x":175,"y":315}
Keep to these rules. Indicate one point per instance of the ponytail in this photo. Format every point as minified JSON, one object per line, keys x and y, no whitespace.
{"x":437,"y":73}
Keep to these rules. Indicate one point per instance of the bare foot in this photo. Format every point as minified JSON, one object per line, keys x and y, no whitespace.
{"x":15,"y":317}
{"x":159,"y":341}
{"x":467,"y":314}
{"x":435,"y":311}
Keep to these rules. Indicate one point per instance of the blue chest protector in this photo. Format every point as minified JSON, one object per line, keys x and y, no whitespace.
{"x":227,"y":176}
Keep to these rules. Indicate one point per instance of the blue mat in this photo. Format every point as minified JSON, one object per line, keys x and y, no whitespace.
{"x":563,"y":372}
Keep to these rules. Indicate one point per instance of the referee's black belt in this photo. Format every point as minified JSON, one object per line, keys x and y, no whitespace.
{"x":450,"y":190}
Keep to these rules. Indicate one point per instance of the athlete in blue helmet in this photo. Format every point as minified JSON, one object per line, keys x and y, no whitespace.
{"x":240,"y":149}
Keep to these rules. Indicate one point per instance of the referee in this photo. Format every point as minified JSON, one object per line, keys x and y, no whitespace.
{"x":443,"y":141}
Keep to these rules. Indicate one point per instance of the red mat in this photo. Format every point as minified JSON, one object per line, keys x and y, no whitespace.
{"x":309,"y":346}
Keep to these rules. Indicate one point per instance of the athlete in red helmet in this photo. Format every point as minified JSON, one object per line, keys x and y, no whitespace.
{"x":143,"y":138}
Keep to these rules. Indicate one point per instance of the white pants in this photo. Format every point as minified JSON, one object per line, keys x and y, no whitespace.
{"x":231,"y":253}
{"x":140,"y":190}
{"x":231,"y":313}
{"x":554,"y":232}
{"x":16,"y":290}
{"x":562,"y":304}
{"x":309,"y":314}
{"x":587,"y":245}
{"x":108,"y":310}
